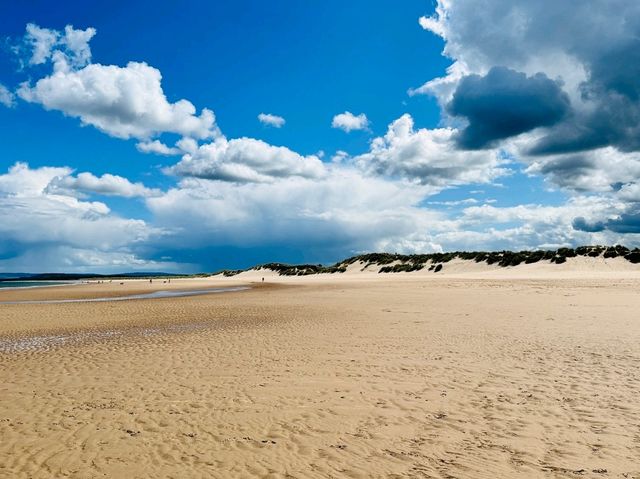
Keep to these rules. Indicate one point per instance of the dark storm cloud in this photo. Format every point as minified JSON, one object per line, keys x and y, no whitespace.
{"x":612,"y":92}
{"x":568,"y":171}
{"x":505,"y":103}
{"x":624,"y":224}
{"x":629,"y":223}
{"x":617,"y":70}
{"x":592,"y":48}
{"x":581,"y":224}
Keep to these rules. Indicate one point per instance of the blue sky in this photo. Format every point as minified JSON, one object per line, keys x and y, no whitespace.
{"x":241,"y":58}
{"x":416,"y":127}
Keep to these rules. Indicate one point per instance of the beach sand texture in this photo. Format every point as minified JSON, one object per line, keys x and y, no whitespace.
{"x":340,"y":376}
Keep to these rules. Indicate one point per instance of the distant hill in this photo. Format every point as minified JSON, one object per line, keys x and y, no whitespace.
{"x":79,"y":276}
{"x":13,"y":275}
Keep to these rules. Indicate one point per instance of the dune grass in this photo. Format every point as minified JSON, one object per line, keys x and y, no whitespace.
{"x":400,"y":263}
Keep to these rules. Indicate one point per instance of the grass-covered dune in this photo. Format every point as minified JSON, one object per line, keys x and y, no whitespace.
{"x":398,"y":263}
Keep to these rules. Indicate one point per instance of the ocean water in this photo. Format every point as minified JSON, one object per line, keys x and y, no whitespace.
{"x":29,"y":284}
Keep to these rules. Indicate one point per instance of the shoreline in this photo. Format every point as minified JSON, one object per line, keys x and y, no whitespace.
{"x":158,"y":294}
{"x":50,"y":284}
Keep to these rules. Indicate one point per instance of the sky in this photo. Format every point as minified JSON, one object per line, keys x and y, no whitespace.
{"x":158,"y":136}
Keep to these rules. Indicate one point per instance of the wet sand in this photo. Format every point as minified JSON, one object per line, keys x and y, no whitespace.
{"x":329,"y":377}
{"x":160,"y":294}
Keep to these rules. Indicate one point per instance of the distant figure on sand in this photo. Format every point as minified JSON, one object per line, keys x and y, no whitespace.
{"x":263,"y":280}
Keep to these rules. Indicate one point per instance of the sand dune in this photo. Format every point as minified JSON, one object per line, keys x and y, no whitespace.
{"x":578,"y":267}
{"x":353,"y":375}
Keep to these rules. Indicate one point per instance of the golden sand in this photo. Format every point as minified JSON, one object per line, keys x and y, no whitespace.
{"x":351,"y":376}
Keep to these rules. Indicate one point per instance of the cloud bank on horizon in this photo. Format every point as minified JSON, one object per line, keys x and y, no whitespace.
{"x":535,"y":90}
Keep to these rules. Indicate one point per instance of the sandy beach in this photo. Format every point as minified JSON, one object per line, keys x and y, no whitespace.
{"x":320,"y":240}
{"x":333,"y":376}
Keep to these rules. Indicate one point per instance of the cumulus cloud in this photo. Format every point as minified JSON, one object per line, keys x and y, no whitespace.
{"x":466,"y":201}
{"x":593,"y":55}
{"x":76,"y":44}
{"x":33,"y":220}
{"x":601,"y":170}
{"x":625,"y":224}
{"x":271,"y":120}
{"x":345,"y":213}
{"x":430,"y":157}
{"x":566,"y":105}
{"x":20,"y":180}
{"x":125,"y":102}
{"x":537,"y":226}
{"x":505,"y":103}
{"x":341,"y":212}
{"x":630,"y":192}
{"x":107,"y":184}
{"x":41,"y":41}
{"x":68,"y":259}
{"x":513,"y":91}
{"x":245,"y":160}
{"x":347,"y":121}
{"x":534,"y":214}
{"x":7,"y":98}
{"x":66,"y":49}
{"x":157,"y":147}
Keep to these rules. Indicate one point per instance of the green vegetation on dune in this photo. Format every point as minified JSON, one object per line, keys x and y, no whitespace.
{"x":302,"y":269}
{"x":402,"y":268}
{"x":400,"y":263}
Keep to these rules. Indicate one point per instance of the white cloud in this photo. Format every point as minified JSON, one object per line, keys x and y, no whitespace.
{"x":338,"y":214}
{"x":41,"y":40}
{"x":347,"y":121}
{"x":271,"y":120}
{"x":7,"y":98}
{"x":32,"y":221}
{"x":342,"y":211}
{"x":435,"y":23}
{"x":245,"y":160}
{"x":21,"y":180}
{"x":592,"y":55}
{"x":107,"y":184}
{"x":429,"y":157}
{"x":535,"y":226}
{"x":67,"y":259}
{"x":245,"y":192}
{"x":123,"y":102}
{"x":345,"y":212}
{"x":600,"y":170}
{"x":157,"y":147}
{"x":630,"y":192}
{"x":593,"y":146}
{"x":340,"y":156}
{"x":540,"y":215}
{"x":76,"y":44}
{"x":68,"y":49}
{"x":466,"y":201}
{"x":514,"y":34}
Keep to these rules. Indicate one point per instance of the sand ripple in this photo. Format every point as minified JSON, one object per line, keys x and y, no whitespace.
{"x":448,"y":379}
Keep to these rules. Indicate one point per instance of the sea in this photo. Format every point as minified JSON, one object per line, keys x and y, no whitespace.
{"x":29,"y":284}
